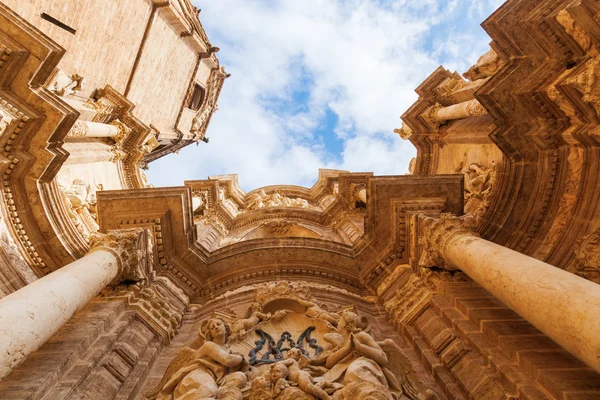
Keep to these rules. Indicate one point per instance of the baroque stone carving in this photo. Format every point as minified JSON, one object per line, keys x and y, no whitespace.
{"x":254,"y":316}
{"x":79,"y":129}
{"x":17,"y":261}
{"x":161,"y":304}
{"x":437,"y":232}
{"x":80,"y":201}
{"x":404,"y":131}
{"x":208,"y":372}
{"x":479,"y":184}
{"x":200,"y":121}
{"x":263,"y":200}
{"x":64,"y":84}
{"x":587,"y":257}
{"x":296,"y":356}
{"x":475,"y":109}
{"x":486,"y":66}
{"x":133,"y":248}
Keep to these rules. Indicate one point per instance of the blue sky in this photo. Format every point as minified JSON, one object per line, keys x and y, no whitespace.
{"x":321,"y":84}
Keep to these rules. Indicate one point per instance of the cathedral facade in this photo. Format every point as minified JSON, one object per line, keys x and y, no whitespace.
{"x":476,"y":276}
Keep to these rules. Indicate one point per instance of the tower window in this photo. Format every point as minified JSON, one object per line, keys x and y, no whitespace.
{"x":197,"y":98}
{"x":56,"y":22}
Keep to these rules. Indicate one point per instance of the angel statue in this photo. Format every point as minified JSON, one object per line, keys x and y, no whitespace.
{"x":368,"y":369}
{"x":211,"y":372}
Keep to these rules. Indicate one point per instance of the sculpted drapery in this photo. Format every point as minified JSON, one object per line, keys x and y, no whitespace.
{"x":341,"y":360}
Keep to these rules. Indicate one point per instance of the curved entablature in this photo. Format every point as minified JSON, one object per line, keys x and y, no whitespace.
{"x":224,"y":214}
{"x":189,"y":237}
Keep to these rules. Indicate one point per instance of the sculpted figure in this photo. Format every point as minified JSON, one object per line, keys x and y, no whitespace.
{"x":370,"y":369}
{"x":65,"y":85}
{"x":295,"y":361}
{"x":313,"y":310}
{"x":278,"y":375}
{"x":486,"y":66}
{"x":358,"y":359}
{"x":211,"y":372}
{"x":254,"y":316}
{"x":257,"y":201}
{"x":261,"y":389}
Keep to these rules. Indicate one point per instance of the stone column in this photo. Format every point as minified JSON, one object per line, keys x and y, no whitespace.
{"x":31,"y":315}
{"x":96,"y":129}
{"x":471,"y":108}
{"x":362,"y":195}
{"x":562,"y":305}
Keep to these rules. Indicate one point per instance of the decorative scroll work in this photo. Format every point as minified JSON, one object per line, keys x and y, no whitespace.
{"x":275,"y":352}
{"x":325,"y":362}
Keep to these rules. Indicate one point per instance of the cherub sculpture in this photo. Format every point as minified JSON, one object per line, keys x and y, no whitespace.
{"x":313,"y":310}
{"x":261,"y":389}
{"x":295,"y":361}
{"x":211,"y":372}
{"x":254,"y":316}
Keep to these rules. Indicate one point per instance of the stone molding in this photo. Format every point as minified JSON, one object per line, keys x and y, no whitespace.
{"x":158,"y":302}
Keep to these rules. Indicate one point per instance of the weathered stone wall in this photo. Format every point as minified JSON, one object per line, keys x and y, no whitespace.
{"x":476,"y":347}
{"x":107,"y":38}
{"x":101,"y":349}
{"x":162,"y":75}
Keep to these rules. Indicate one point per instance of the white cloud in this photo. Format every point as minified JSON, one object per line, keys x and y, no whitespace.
{"x":359,"y":59}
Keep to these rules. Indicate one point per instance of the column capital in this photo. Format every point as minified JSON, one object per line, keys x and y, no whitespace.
{"x":430,"y":115}
{"x":437,"y":232}
{"x":133,"y":249}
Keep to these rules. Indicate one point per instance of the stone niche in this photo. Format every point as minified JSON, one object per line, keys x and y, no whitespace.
{"x":287,"y":344}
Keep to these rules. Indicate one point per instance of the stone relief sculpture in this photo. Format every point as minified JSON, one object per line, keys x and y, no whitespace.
{"x":80,"y":200}
{"x":479,"y":183}
{"x":202,"y":117}
{"x":311,"y":359}
{"x":263,"y":200}
{"x":211,"y":372}
{"x":254,"y":316}
{"x":486,"y":66}
{"x":64,"y":84}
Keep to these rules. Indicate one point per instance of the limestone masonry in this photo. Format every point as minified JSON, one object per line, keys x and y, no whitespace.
{"x":476,"y":276}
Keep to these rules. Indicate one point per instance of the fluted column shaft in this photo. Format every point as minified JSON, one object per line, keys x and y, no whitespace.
{"x":31,"y":315}
{"x":562,"y":305}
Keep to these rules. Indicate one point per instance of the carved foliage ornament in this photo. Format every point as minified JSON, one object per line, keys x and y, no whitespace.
{"x":587,"y":256}
{"x":435,"y":235}
{"x":133,"y":249}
